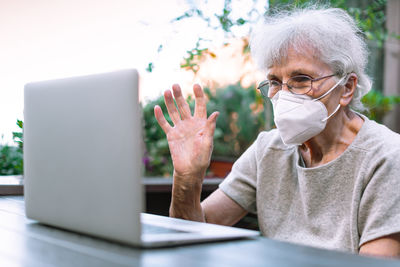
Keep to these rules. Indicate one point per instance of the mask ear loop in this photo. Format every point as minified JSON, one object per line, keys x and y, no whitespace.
{"x":330,"y":90}
{"x":333,"y":113}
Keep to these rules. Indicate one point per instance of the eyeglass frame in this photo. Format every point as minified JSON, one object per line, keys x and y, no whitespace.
{"x":265,"y":82}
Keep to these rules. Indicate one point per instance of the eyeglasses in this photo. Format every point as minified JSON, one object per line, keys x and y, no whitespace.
{"x":298,"y":85}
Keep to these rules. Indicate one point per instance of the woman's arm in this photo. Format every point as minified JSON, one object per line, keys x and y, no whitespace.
{"x":387,"y":246}
{"x":218,"y":208}
{"x":190,"y":142}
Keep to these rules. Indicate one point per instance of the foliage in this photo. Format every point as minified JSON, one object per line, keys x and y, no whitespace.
{"x":11,"y":157}
{"x":242,"y":115}
{"x":371,"y":18}
{"x":241,"y":118}
{"x":18,"y":136}
{"x":157,"y":159}
{"x":223,"y":21}
{"x":10,"y":160}
{"x":372,"y":21}
{"x":378,"y":105}
{"x":195,"y":56}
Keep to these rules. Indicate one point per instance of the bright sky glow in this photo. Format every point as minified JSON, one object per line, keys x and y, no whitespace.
{"x":48,"y":39}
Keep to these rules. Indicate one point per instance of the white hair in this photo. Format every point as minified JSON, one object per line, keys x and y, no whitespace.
{"x":331,"y":33}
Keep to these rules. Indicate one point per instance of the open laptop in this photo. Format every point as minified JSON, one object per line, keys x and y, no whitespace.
{"x":83,"y":163}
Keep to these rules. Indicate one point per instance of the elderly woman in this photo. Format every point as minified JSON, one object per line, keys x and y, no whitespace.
{"x":327,"y":176}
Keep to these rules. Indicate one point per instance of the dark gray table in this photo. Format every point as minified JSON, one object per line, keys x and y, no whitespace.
{"x":24,"y":242}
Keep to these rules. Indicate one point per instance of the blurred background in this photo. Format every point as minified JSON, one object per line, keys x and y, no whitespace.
{"x":177,"y":41}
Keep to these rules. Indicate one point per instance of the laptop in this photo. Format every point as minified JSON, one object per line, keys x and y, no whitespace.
{"x":83,"y":163}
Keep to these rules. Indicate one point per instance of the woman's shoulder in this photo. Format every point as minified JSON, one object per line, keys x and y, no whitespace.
{"x":271,"y":140}
{"x":377,"y":138}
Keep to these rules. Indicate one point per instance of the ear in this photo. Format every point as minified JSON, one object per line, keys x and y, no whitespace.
{"x":349,"y":88}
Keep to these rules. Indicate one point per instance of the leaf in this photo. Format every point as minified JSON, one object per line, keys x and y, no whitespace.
{"x":20,"y":124}
{"x":240,"y":21}
{"x":150,"y":67}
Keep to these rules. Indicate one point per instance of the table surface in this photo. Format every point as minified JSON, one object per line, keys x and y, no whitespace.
{"x":24,"y":242}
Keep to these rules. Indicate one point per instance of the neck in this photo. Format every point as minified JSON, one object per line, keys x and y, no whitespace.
{"x":338,"y":134}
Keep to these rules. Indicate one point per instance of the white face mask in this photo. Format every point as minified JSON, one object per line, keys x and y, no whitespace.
{"x":300,"y":117}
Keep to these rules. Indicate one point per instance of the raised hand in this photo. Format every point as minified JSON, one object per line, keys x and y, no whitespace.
{"x":190,"y":139}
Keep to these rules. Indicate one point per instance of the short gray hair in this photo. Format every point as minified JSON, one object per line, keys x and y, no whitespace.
{"x":329,"y":32}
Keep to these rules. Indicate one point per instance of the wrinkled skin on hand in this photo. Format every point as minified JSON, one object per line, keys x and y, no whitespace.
{"x":190,"y":139}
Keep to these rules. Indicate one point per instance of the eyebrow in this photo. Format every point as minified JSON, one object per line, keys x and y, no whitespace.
{"x":302,"y":72}
{"x":295,"y":72}
{"x":272,"y":77}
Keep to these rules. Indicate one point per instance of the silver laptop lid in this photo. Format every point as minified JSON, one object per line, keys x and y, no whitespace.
{"x":82,"y":154}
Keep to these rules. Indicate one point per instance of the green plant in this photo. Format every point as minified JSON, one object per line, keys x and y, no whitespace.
{"x":18,"y":136}
{"x":156,"y":159}
{"x":11,"y":157}
{"x":378,"y":105}
{"x":10,"y":160}
{"x":371,"y":17}
{"x":241,"y":118}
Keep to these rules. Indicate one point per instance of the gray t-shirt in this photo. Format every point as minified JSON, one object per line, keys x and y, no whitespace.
{"x":340,"y":205}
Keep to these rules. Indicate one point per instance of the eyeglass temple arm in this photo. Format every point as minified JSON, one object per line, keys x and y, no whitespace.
{"x":324,"y":77}
{"x":262,"y":84}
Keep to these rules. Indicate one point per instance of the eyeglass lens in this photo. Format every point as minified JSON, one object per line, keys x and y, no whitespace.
{"x":297,"y":85}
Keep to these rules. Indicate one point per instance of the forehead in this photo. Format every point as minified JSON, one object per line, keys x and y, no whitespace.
{"x":306,"y":61}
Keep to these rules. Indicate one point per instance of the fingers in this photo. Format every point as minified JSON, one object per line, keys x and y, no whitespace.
{"x":211,"y":123}
{"x":200,"y":109}
{"x":183,"y":106}
{"x":172,"y":111}
{"x":161,"y":119}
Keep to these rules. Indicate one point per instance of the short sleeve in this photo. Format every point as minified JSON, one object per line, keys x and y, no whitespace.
{"x":240,"y":184}
{"x":379,"y":211}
